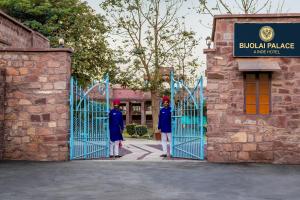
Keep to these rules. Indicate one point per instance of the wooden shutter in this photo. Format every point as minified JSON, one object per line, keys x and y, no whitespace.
{"x":264,"y":94}
{"x":257,"y":93}
{"x":250,"y":93}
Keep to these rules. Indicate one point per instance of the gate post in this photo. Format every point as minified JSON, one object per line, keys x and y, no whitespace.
{"x":201,"y":121}
{"x":71,"y":117}
{"x":107,"y":110}
{"x":172,"y":109}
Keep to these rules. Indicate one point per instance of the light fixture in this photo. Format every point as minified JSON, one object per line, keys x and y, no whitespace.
{"x":208,"y":41}
{"x":61,"y":42}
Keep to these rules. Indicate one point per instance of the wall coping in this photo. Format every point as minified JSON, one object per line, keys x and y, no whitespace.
{"x":22,"y":25}
{"x":36,"y":50}
{"x":274,"y":15}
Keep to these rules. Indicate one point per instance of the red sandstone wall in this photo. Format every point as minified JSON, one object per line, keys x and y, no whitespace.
{"x":14,"y":34}
{"x":37,"y":108}
{"x":236,"y":137}
{"x":2,"y":90}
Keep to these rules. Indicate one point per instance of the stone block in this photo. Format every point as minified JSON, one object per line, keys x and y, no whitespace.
{"x":52,"y":124}
{"x":283,"y":91}
{"x":227,"y":147}
{"x":250,"y":138}
{"x":249,"y":147}
{"x":41,"y":101}
{"x":43,"y":79}
{"x":265,"y":146}
{"x":239,"y":137}
{"x":23,"y":71}
{"x":34,"y":109}
{"x":35,"y":118}
{"x":250,"y":122}
{"x":25,"y":139}
{"x":10,"y":71}
{"x":244,"y":156}
{"x":24,"y":102}
{"x":46,"y":117}
{"x":31,"y":131}
{"x":215,"y":75}
{"x":47,"y":86}
{"x":262,"y":156}
{"x":54,"y":64}
{"x":221,"y":106}
{"x":212,"y":86}
{"x":60,"y":85}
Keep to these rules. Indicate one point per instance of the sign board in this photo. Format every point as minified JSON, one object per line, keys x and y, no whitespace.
{"x":266,"y":40}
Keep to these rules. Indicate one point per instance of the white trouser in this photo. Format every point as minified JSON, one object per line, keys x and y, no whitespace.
{"x":114,"y":147}
{"x":164,"y":144}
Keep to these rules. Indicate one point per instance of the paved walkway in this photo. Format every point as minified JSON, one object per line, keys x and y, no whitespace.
{"x":135,"y":180}
{"x":140,"y":149}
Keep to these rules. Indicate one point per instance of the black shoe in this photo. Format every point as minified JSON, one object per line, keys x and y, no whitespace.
{"x":163,"y":155}
{"x":118,"y":156}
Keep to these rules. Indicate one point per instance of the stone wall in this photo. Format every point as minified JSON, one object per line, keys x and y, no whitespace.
{"x":234,"y":136}
{"x":15,"y":34}
{"x":37,"y":109}
{"x":2,"y":92}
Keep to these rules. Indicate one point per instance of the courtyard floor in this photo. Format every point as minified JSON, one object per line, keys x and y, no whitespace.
{"x":141,"y":149}
{"x":144,"y":180}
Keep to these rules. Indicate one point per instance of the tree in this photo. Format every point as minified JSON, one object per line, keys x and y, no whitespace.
{"x":82,"y":29}
{"x":187,"y":63}
{"x":148,"y":33}
{"x":239,"y":6}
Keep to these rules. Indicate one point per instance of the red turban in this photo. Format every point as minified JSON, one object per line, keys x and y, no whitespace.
{"x":116,"y":102}
{"x":166,"y":98}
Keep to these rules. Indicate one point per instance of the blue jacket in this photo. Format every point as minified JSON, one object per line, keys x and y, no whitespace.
{"x":164,"y":123}
{"x":116,"y":125}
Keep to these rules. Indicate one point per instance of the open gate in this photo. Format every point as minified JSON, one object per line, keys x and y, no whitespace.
{"x":89,"y":128}
{"x":187,"y":119}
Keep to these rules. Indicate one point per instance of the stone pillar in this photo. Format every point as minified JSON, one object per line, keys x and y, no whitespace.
{"x":143,"y":113}
{"x":2,"y":98}
{"x":128,"y":113}
{"x":36,"y":103}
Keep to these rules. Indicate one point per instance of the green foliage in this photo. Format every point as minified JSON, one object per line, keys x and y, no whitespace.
{"x":82,"y":29}
{"x":151,"y":36}
{"x":130,"y":128}
{"x":141,"y":130}
{"x":133,"y":130}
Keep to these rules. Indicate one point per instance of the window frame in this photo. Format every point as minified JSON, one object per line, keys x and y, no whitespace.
{"x":257,"y":84}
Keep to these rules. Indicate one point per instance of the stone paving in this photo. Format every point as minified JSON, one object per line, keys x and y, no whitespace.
{"x":141,"y":149}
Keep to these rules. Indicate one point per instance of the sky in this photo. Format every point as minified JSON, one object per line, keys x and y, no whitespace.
{"x":200,"y":23}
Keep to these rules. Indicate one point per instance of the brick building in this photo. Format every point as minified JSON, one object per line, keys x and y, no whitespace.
{"x":136,"y":105}
{"x":253,"y":95}
{"x":34,"y":94}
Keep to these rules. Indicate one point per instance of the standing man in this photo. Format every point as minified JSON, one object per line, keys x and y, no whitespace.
{"x":116,"y":128}
{"x":164,"y":124}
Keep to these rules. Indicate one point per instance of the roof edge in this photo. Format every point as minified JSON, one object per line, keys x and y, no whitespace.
{"x":36,"y":50}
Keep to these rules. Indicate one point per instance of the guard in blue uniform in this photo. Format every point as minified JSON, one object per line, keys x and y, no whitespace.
{"x":164,"y":124}
{"x":116,"y":128}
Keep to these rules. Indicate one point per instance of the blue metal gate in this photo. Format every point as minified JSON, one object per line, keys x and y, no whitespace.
{"x":187,"y":119}
{"x":89,"y":128}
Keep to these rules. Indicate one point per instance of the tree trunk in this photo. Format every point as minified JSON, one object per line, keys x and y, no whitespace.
{"x":155,"y":110}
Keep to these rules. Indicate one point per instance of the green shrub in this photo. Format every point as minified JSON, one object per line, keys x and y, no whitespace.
{"x":130,"y":128}
{"x":141,"y":130}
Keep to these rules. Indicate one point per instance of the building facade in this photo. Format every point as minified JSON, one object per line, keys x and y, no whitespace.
{"x":135,"y":104}
{"x":253,"y":95}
